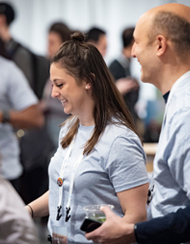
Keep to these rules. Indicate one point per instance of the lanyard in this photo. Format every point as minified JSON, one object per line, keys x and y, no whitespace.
{"x":60,"y":182}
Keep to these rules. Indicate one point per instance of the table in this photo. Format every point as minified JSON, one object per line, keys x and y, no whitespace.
{"x":150,"y":150}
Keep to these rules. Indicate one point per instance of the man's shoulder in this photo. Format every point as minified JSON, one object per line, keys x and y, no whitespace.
{"x":5,"y":62}
{"x":8,"y":67}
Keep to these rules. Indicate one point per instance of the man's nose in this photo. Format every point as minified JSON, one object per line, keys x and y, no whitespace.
{"x":133,"y":51}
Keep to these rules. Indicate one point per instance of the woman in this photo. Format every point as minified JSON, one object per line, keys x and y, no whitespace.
{"x":100,"y":158}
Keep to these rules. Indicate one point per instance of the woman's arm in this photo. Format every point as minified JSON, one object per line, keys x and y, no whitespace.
{"x":39,"y":207}
{"x":133,"y":203}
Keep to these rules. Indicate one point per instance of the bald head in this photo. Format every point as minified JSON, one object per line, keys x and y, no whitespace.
{"x":181,"y":10}
{"x":162,"y":44}
{"x":172,"y":21}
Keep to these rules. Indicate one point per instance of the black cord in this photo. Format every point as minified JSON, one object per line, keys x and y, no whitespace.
{"x":31,"y":210}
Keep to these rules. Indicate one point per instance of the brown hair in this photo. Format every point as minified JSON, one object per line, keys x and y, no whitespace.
{"x":176,"y":29}
{"x":83,"y":61}
{"x":62,"y":30}
{"x":127,"y":36}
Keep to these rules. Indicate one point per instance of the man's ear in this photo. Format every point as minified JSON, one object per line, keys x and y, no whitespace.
{"x":161,"y":45}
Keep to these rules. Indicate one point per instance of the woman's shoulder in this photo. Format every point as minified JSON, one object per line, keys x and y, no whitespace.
{"x":119,"y":134}
{"x":118,"y":139}
{"x":117,"y":129}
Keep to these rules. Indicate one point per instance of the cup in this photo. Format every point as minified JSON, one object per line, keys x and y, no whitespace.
{"x":94,"y":212}
{"x":59,"y":235}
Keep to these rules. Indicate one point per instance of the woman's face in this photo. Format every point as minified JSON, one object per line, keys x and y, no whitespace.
{"x":75,"y":98}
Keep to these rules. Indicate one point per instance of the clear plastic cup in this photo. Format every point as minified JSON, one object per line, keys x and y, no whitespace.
{"x":94,"y":212}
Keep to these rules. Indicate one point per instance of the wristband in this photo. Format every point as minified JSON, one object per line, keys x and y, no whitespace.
{"x":31,"y":210}
{"x":5,"y":116}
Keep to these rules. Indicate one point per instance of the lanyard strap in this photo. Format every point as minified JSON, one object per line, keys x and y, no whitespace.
{"x":68,"y":206}
{"x":72,"y":179}
{"x":63,"y":166}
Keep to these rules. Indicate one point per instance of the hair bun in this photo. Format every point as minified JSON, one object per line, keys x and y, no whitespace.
{"x":78,"y":36}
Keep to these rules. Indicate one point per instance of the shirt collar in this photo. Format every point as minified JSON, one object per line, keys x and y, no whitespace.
{"x":177,"y":83}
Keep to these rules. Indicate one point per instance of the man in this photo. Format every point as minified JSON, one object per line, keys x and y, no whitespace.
{"x":18,"y":109}
{"x":17,"y":53}
{"x":121,"y":71}
{"x":98,"y":38}
{"x":162,"y":46}
{"x":36,"y":71}
{"x":35,"y":67}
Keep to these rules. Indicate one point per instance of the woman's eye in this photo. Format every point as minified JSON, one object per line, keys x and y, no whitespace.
{"x":59,"y":85}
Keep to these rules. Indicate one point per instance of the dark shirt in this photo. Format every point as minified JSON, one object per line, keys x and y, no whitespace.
{"x":165,"y":96}
{"x":121,"y":69}
{"x":35,"y":67}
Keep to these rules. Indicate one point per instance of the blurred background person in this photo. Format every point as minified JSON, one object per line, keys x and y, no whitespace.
{"x":57,"y":34}
{"x":18,"y":54}
{"x":35,"y":67}
{"x":18,"y":109}
{"x":52,"y":108}
{"x":35,"y":144}
{"x":121,"y":71}
{"x":16,"y":225}
{"x":98,"y":38}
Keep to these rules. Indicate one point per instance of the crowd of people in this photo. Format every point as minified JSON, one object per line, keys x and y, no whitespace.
{"x":70,"y":138}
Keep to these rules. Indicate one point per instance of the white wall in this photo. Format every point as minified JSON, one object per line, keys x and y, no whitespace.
{"x":35,"y":16}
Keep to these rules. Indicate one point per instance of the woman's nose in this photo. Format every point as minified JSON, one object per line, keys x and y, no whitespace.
{"x":54,"y":92}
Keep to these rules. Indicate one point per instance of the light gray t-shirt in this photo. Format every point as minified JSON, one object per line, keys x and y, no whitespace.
{"x":15,"y":94}
{"x":116,"y":163}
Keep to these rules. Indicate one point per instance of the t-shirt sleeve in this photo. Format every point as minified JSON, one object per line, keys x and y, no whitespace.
{"x":126,"y":164}
{"x":19,"y":92}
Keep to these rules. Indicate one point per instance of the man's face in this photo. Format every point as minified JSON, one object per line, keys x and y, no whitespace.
{"x":144,"y":51}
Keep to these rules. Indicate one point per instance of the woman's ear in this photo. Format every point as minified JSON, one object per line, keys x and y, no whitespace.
{"x":90,"y":81}
{"x":88,"y":86}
